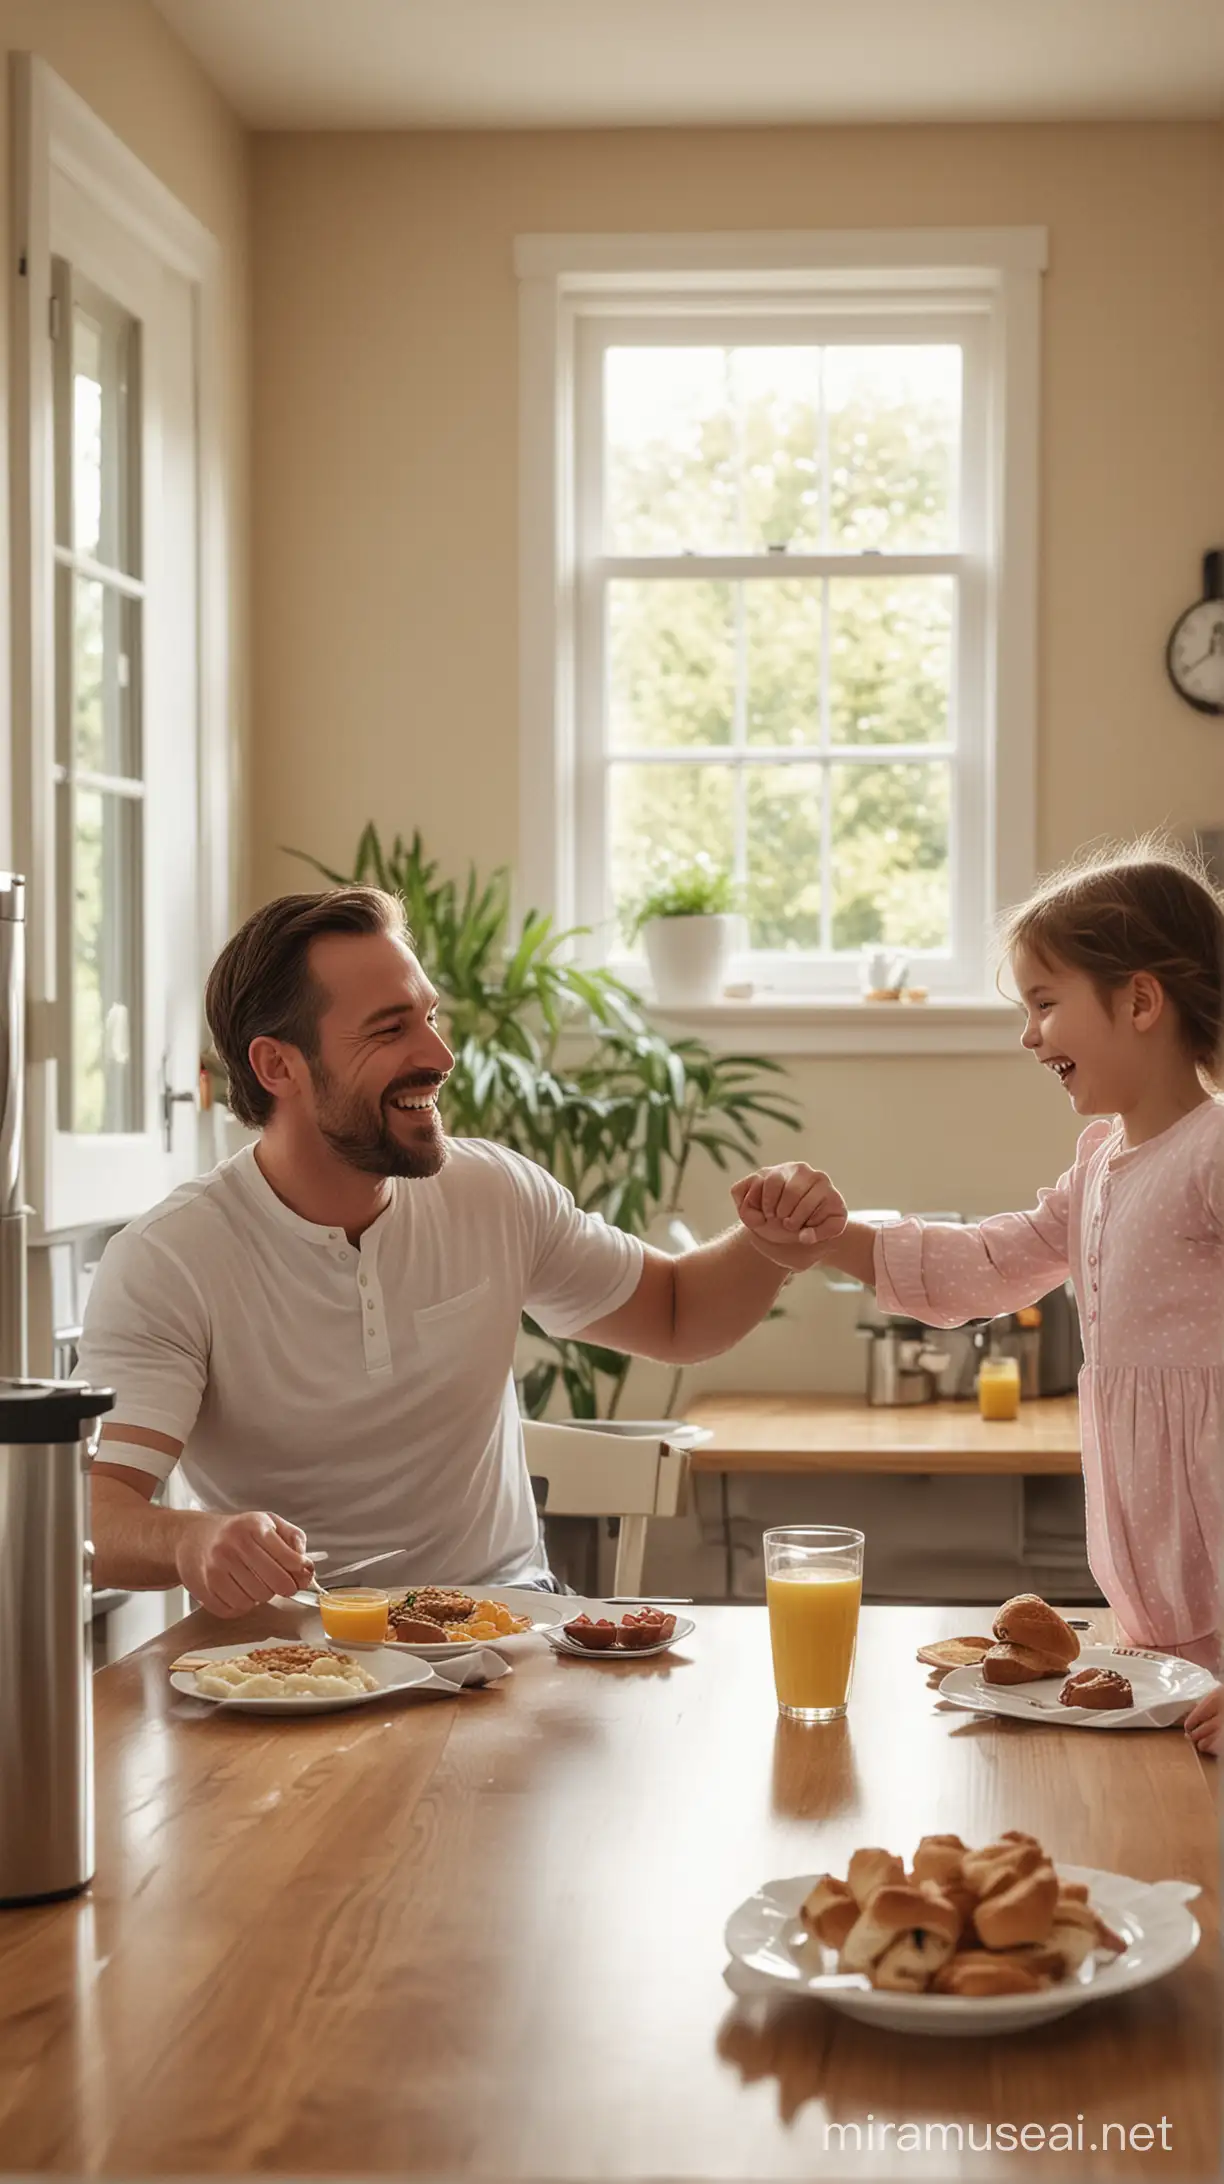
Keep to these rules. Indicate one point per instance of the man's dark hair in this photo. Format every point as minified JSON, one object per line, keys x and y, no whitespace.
{"x":261,"y":987}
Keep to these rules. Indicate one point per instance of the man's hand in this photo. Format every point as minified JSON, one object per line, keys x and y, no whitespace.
{"x":233,"y":1564}
{"x":792,"y":1213}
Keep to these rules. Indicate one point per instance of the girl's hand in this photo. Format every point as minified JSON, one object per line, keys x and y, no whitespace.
{"x":1203,"y":1725}
{"x":793,"y":1213}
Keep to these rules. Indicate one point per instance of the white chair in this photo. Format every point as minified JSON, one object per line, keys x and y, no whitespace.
{"x":603,"y":1468}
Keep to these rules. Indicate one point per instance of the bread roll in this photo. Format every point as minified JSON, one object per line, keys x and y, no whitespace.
{"x":872,"y":1869}
{"x":910,"y":1963}
{"x":1023,"y":1912}
{"x":829,"y":1911}
{"x":962,"y":1900}
{"x":1039,"y":1957}
{"x":1027,"y":1620}
{"x":895,"y":1911}
{"x":1073,"y":1891}
{"x":1008,"y":1664}
{"x":1073,"y":1935}
{"x":983,"y":1974}
{"x":938,"y":1858}
{"x":988,"y":1872}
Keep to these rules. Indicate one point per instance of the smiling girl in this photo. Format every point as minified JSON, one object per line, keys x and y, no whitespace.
{"x":1119,"y":967}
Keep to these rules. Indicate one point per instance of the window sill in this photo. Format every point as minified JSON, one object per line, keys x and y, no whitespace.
{"x":778,"y":1024}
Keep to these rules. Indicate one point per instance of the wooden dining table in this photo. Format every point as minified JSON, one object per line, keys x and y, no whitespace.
{"x":482,"y":1936}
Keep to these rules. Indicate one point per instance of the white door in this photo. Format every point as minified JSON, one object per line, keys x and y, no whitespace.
{"x":114,"y":959}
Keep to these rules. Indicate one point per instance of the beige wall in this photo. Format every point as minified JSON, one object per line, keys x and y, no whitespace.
{"x":122,"y":59}
{"x":385,"y":524}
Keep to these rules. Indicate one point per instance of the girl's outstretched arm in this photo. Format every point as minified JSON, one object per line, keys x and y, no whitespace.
{"x":942,"y":1273}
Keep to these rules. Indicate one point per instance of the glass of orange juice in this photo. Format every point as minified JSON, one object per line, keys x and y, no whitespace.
{"x":813,"y":1586}
{"x":356,"y":1616}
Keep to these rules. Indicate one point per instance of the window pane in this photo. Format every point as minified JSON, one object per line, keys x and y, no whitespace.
{"x":890,"y":659}
{"x":782,"y":623}
{"x":104,"y":965}
{"x":662,"y":817}
{"x":711,"y":450}
{"x":671,"y":664}
{"x":106,"y":734}
{"x":103,"y":346}
{"x":783,"y":891}
{"x":893,"y":422}
{"x":890,"y":856}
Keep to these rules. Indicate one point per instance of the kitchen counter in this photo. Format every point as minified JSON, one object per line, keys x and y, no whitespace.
{"x":482,"y":1937}
{"x":813,"y":1433}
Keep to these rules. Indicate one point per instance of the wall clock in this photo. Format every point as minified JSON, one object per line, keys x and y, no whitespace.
{"x":1195,"y":652}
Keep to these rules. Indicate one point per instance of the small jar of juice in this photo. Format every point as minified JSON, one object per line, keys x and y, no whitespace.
{"x":999,"y":1387}
{"x":357,"y":1617}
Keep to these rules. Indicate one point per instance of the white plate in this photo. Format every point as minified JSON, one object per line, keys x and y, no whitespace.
{"x":685,"y":1626}
{"x":545,"y":1610}
{"x":766,"y":1942}
{"x":1164,"y":1686}
{"x":392,"y":1674}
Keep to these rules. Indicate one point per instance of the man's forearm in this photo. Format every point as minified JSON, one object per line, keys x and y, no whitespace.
{"x":722,"y":1291}
{"x":135,"y":1544}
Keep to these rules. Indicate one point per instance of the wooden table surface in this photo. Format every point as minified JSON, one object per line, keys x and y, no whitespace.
{"x":811,"y":1433}
{"x":482,"y":1937}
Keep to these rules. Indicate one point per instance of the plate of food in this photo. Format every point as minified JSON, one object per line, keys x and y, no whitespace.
{"x":964,"y":1942}
{"x":601,"y":1637}
{"x":294,"y":1677}
{"x":1033,"y":1668}
{"x":437,"y":1621}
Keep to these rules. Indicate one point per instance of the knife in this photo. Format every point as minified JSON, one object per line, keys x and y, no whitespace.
{"x":347,"y":1568}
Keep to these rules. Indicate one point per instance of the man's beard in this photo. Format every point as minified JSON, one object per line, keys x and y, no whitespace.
{"x":357,"y":1128}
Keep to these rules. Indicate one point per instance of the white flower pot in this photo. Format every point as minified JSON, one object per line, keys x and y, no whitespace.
{"x":689,"y":958}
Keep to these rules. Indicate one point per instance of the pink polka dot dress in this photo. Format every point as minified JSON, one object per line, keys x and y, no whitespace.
{"x":1141,"y":1233}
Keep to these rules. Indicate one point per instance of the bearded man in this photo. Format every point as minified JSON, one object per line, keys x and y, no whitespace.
{"x":319,"y":1335}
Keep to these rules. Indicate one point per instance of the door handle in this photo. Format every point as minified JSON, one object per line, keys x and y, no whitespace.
{"x":169,"y":1101}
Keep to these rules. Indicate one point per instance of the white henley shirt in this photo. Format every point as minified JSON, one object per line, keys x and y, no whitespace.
{"x":364,"y":1393}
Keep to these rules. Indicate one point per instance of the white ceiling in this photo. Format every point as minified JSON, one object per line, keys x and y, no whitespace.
{"x":513,"y":64}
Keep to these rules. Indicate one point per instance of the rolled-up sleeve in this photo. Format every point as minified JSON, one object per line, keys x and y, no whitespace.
{"x":146,"y":1335}
{"x":944,"y":1274}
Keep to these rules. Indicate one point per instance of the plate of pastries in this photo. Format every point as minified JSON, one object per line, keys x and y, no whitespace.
{"x":1033,"y":1668}
{"x":962,"y":1940}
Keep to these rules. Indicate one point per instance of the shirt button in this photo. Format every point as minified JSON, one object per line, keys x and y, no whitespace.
{"x":369,"y":1304}
{"x":363,"y":1279}
{"x":332,"y":1235}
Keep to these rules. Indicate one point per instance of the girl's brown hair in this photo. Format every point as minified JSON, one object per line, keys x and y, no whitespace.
{"x":1141,"y":906}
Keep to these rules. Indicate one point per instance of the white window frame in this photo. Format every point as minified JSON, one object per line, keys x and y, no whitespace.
{"x":57,"y":135}
{"x":980,"y":287}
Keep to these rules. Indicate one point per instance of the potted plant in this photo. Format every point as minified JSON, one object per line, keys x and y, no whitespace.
{"x":689,"y":925}
{"x":559,"y":1063}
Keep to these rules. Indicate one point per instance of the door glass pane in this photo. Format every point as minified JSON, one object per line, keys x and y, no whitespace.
{"x":664,"y":817}
{"x":103,"y":396}
{"x":104,"y":656}
{"x":104,"y":849}
{"x":890,"y":856}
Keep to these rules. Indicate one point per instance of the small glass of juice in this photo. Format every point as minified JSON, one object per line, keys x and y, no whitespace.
{"x":999,"y":1387}
{"x":813,"y":1586}
{"x":357,"y":1617}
